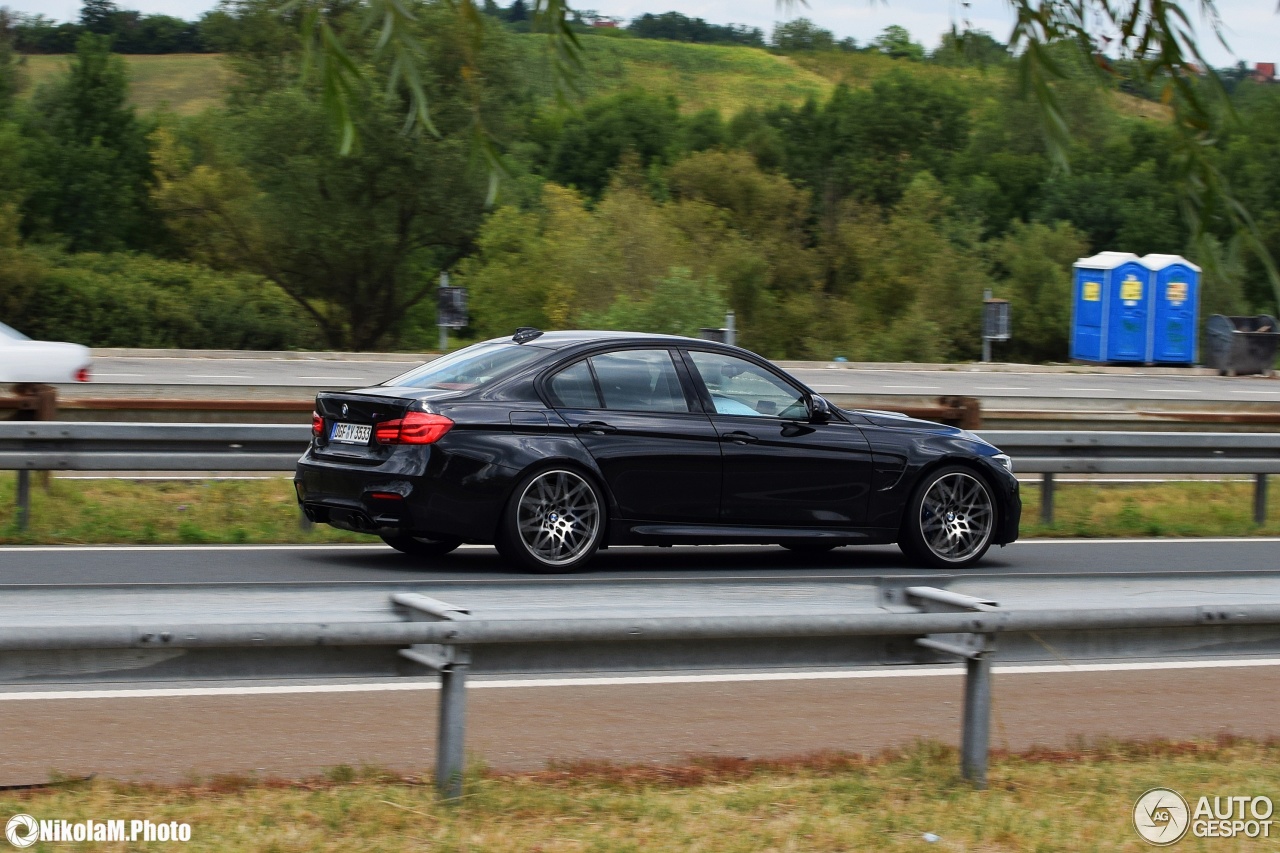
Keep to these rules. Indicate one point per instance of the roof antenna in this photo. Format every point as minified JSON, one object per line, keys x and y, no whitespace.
{"x":524,"y":334}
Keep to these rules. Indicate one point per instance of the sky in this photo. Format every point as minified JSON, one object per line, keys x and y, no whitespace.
{"x":1252,"y":26}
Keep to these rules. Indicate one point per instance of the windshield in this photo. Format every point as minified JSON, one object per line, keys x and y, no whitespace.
{"x":469,"y":368}
{"x":10,"y":332}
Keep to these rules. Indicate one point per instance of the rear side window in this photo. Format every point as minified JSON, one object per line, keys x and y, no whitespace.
{"x":640,"y":381}
{"x":573,"y":388}
{"x":469,"y":368}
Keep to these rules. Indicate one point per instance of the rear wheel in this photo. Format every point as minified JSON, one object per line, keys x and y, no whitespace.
{"x":553,"y":523}
{"x":421,"y":546}
{"x":949,"y":520}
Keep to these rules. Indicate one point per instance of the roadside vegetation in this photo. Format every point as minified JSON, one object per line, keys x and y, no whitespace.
{"x":843,"y":199}
{"x":166,"y":512}
{"x":908,"y":800}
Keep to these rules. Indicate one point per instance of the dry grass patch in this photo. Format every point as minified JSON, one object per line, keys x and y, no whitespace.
{"x":1079,"y":800}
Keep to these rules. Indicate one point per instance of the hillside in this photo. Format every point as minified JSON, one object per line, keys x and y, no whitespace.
{"x":184,"y":83}
{"x":699,"y":75}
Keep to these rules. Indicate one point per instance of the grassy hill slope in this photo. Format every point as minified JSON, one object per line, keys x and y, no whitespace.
{"x":699,"y":75}
{"x":184,"y":83}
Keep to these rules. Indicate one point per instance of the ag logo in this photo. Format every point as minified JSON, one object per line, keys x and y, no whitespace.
{"x":22,"y":830}
{"x":1161,"y":816}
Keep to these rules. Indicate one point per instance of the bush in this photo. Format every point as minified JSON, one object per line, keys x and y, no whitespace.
{"x":124,"y":300}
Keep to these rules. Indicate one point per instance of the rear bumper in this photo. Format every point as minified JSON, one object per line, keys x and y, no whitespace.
{"x":454,"y":497}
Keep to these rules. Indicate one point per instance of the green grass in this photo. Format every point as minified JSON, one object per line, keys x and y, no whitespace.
{"x":1078,"y":800}
{"x":265,"y":511}
{"x":181,"y":83}
{"x":699,"y":75}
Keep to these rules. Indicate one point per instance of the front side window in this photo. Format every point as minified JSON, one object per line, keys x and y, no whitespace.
{"x":639,"y":381}
{"x":741,"y":387}
{"x":469,"y":368}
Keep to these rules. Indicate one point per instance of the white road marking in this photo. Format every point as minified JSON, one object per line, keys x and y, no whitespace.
{"x":627,"y":680}
{"x":1090,"y":390}
{"x":334,"y":379}
{"x":1008,"y":388}
{"x":913,"y":387}
{"x":97,"y":375}
{"x":219,"y":376}
{"x":1174,"y":391}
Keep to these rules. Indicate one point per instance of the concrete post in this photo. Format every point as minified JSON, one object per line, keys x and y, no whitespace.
{"x":1046,"y":499}
{"x":24,"y":498}
{"x":1260,"y":499}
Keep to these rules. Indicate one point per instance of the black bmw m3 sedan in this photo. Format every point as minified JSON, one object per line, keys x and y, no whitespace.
{"x":553,"y":446}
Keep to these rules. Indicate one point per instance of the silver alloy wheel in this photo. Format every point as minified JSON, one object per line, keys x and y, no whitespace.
{"x":558,"y":517}
{"x":956,"y":516}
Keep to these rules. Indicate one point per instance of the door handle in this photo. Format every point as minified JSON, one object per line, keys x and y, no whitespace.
{"x":739,"y":437}
{"x":597,"y":428}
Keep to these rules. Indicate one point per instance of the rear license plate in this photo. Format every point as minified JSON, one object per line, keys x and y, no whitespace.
{"x":351,"y":433}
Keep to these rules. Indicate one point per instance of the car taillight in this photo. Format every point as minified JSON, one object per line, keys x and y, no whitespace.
{"x":317,"y":425}
{"x":413,"y":428}
{"x":82,"y":375}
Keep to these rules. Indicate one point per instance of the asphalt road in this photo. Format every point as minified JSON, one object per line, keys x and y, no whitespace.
{"x":518,"y":726}
{"x":305,"y":564}
{"x":293,"y":376}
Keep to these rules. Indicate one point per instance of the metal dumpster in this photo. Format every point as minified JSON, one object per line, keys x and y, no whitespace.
{"x":1241,"y":345}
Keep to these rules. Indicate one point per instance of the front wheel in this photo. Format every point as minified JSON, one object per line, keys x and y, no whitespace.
{"x":553,"y":523}
{"x":949,"y":520}
{"x":421,"y":546}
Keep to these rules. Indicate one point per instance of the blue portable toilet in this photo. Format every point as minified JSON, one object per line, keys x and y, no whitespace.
{"x":1109,"y":308}
{"x":1175,"y":285}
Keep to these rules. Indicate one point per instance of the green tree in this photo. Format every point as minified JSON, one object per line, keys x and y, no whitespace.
{"x":592,"y":144}
{"x":801,"y":34}
{"x":88,"y":159}
{"x":357,"y":240}
{"x":895,"y":41}
{"x":1033,"y":270}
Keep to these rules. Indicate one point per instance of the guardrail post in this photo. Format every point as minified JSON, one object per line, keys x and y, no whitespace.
{"x":1260,"y":499}
{"x":453,"y":663}
{"x":451,"y":736}
{"x":975,"y":650}
{"x":976,"y":729}
{"x":1046,"y":498}
{"x":24,"y":498}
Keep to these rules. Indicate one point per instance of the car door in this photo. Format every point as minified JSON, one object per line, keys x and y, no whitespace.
{"x":780,"y":469}
{"x":641,"y":421}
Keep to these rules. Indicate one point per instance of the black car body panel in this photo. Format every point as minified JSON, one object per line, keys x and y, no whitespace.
{"x":705,"y":470}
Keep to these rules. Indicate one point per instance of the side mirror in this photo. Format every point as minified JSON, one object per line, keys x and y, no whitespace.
{"x":819,"y":410}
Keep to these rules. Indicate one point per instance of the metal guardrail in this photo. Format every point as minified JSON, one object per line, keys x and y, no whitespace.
{"x":1050,"y":453}
{"x":54,"y":445}
{"x":101,"y":634}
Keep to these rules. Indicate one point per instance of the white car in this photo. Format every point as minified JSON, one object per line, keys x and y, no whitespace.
{"x":25,"y":360}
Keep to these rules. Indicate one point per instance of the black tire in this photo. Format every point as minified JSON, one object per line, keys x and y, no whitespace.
{"x":554,"y":521}
{"x":816,"y":547}
{"x":420,"y":546}
{"x":950,"y":520}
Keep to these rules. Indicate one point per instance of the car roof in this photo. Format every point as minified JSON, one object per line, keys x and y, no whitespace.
{"x":570,"y":337}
